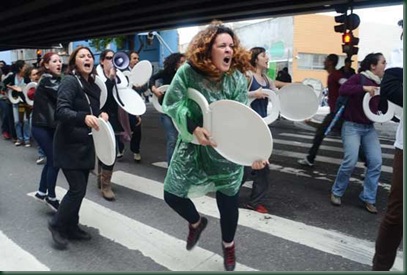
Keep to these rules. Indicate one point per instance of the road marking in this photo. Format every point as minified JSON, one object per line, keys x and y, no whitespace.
{"x":298,"y":172}
{"x":337,"y":140}
{"x":322,"y":147}
{"x":332,"y":242}
{"x":161,"y":247}
{"x":14,"y":258}
{"x":323,"y":159}
{"x":162,"y":164}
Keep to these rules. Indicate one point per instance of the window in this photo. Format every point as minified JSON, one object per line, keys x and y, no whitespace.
{"x":309,"y":61}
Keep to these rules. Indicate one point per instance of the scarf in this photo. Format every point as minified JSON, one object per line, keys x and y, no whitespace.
{"x":372,"y":76}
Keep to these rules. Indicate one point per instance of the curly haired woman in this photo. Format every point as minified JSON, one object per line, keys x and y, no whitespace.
{"x":215,"y":67}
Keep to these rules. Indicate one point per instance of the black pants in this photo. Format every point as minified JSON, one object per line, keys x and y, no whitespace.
{"x":260,"y":184}
{"x":136,"y":135}
{"x":67,"y":215}
{"x":391,"y":228}
{"x":319,"y":136}
{"x":228,"y":209}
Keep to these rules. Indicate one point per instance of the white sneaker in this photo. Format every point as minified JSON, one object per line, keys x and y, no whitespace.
{"x":137,"y":156}
{"x":305,"y":162}
{"x":120,"y":154}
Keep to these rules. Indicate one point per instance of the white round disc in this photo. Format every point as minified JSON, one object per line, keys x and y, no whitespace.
{"x":298,"y":102}
{"x":154,"y":98}
{"x":377,"y":117}
{"x":241,"y":135}
{"x":121,"y":80}
{"x":141,"y":73}
{"x":105,"y":142}
{"x":13,"y":100}
{"x":273,"y":108}
{"x":133,"y":103}
{"x":103,"y":90}
{"x":28,"y":88}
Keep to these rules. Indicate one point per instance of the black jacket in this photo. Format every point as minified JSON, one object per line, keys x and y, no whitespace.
{"x":391,"y":87}
{"x":73,"y":146}
{"x":45,"y":101}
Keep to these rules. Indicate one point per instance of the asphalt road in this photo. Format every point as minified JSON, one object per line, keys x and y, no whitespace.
{"x":139,"y":232}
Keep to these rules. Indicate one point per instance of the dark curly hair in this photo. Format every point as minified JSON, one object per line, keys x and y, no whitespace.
{"x":171,"y":62}
{"x":199,"y":51}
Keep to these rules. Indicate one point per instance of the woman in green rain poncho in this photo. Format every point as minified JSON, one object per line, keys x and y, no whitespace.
{"x":215,"y":66}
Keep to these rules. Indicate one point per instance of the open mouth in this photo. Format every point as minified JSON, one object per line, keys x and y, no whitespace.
{"x":87,"y":65}
{"x":227,"y":60}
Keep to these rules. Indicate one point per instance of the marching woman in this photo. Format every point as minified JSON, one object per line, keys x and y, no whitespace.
{"x":21,"y":111}
{"x":215,"y":67}
{"x":43,"y":124}
{"x":358,"y":131}
{"x":258,"y":80}
{"x":112,"y":109}
{"x":77,"y":112}
{"x":171,"y":65}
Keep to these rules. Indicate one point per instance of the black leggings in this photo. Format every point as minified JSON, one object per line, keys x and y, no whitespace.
{"x":227,"y":205}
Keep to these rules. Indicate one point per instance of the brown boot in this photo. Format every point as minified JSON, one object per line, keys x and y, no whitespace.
{"x":106,"y":185}
{"x":99,"y":175}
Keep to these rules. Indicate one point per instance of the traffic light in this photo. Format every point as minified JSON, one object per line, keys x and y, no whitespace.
{"x":39,"y":55}
{"x":348,"y":22}
{"x":350,"y":43}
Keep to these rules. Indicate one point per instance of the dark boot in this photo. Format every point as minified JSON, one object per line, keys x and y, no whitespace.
{"x":106,"y":185}
{"x":99,"y":175}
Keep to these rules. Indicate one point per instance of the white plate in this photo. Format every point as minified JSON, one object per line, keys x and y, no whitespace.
{"x":273,"y":108}
{"x":154,"y":98}
{"x":141,"y":73}
{"x":27,"y":88}
{"x":316,"y":84}
{"x":121,"y":79}
{"x":13,"y":100}
{"x":298,"y":102}
{"x":381,"y":118}
{"x":133,"y":103}
{"x":103,"y":90}
{"x":105,"y":142}
{"x":241,"y":135}
{"x":127,"y":75}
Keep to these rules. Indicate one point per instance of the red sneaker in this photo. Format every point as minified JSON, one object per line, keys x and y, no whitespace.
{"x":229,"y":257}
{"x":6,"y":135}
{"x":261,"y":209}
{"x":195,"y":233}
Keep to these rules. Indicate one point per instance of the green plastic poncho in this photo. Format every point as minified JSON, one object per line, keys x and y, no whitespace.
{"x":194,"y":169}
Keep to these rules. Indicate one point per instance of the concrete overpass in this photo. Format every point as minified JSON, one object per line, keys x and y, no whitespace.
{"x":43,"y":23}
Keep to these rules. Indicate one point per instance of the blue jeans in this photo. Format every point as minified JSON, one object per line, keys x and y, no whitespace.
{"x":22,"y":126}
{"x":44,"y":138}
{"x":171,"y":135}
{"x":353,"y":136}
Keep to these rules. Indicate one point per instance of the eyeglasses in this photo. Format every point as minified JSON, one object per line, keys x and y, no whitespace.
{"x":109,"y":57}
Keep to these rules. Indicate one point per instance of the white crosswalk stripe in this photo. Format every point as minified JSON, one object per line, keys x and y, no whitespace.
{"x":332,"y":242}
{"x":164,"y":249}
{"x":14,"y":258}
{"x":170,"y":252}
